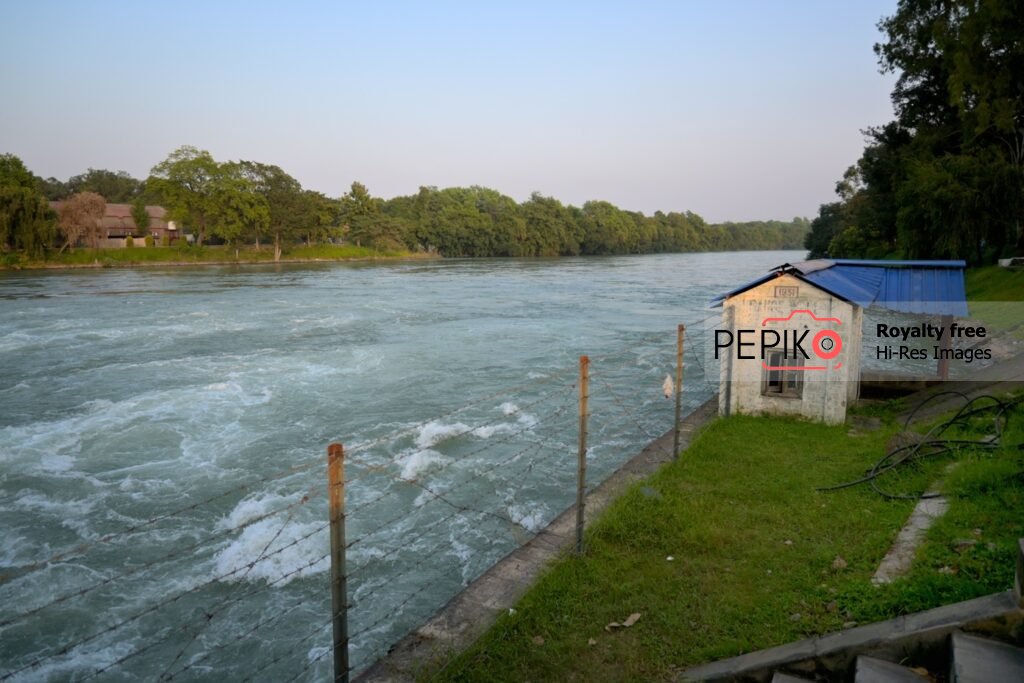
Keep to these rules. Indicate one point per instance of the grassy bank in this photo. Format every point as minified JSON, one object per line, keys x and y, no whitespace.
{"x":191,"y":255}
{"x":995,"y":294}
{"x":759,"y":556}
{"x":994,"y":283}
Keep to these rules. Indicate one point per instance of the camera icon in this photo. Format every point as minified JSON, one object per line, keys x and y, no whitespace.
{"x":826,"y":344}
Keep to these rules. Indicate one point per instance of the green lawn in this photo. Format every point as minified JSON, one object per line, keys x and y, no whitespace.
{"x":993,"y":283}
{"x":760,"y":557}
{"x":996,"y":295}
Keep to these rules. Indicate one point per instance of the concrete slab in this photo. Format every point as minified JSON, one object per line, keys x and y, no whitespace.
{"x":980,"y":660}
{"x":891,"y":639}
{"x":871,"y":670}
{"x":780,"y":677}
{"x":897,"y":561}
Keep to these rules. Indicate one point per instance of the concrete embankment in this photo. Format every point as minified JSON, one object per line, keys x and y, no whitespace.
{"x":466,"y":616}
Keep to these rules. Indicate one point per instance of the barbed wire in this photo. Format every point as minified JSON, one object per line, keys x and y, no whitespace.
{"x":405,"y":431}
{"x":626,"y":411}
{"x":239,"y":637}
{"x":81,"y":548}
{"x":208,"y":615}
{"x":419,"y":591}
{"x":406,"y":543}
{"x":135,"y":528}
{"x":278,"y":658}
{"x":309,"y":665}
{"x":489,"y":445}
{"x":194,"y":627}
{"x":475,"y":477}
{"x":160,"y":560}
{"x":211,"y":614}
{"x":156,"y":606}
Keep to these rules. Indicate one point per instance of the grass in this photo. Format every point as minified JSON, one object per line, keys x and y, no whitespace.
{"x":995,"y":295}
{"x":760,"y":556}
{"x":994,"y":283}
{"x":192,"y":254}
{"x":971,"y":550}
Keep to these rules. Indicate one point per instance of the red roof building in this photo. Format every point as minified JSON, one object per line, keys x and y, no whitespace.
{"x":117,"y":222}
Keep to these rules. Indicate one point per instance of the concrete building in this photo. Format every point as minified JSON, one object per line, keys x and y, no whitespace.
{"x":790,"y":342}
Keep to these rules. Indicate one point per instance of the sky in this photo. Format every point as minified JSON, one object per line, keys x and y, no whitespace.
{"x":742,"y":110}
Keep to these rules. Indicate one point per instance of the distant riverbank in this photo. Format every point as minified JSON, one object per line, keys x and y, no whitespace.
{"x":142,"y":257}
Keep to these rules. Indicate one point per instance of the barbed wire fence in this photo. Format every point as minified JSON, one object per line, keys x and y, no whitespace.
{"x":425,"y":510}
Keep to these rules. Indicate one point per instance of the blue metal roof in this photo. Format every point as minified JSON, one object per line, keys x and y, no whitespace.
{"x":928,"y":287}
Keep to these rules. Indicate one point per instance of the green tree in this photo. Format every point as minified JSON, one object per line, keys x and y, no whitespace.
{"x":606,"y":229}
{"x":140,"y":214}
{"x":117,"y":187}
{"x":186,"y":181}
{"x":26,"y":219}
{"x":951,"y":182}
{"x":237,"y":209}
{"x":319,"y":215}
{"x":290,"y":210}
{"x":507,"y":227}
{"x":551,"y":227}
{"x":360,"y":215}
{"x":53,"y":189}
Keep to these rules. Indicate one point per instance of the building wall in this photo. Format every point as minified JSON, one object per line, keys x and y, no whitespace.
{"x":826,"y":393}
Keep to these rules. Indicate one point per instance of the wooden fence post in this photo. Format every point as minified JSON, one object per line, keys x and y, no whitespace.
{"x":680,"y":334}
{"x":339,"y":589}
{"x":581,"y":459}
{"x":946,"y":345}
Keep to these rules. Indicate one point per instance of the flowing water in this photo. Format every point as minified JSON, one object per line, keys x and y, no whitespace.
{"x":163,"y":435}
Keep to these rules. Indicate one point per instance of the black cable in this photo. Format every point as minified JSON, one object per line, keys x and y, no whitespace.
{"x":931,"y":444}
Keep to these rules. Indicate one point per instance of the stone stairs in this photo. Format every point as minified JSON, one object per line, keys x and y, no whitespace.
{"x":972,"y":660}
{"x":976,"y":641}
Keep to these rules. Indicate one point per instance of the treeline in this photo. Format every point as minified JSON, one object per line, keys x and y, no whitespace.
{"x":946,"y":178}
{"x":478,"y":221}
{"x":249,"y":202}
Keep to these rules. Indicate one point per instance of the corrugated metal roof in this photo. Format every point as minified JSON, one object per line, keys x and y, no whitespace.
{"x":897,"y":264}
{"x":927,"y":287}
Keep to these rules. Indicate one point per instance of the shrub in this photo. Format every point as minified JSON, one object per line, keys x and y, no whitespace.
{"x":165,"y":241}
{"x":149,"y":240}
{"x":129,"y":242}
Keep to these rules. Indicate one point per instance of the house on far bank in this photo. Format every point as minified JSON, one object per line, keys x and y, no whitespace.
{"x":117,"y":224}
{"x":790,"y":341}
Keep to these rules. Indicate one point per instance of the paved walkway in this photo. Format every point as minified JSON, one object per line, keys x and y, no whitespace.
{"x":459,"y":623}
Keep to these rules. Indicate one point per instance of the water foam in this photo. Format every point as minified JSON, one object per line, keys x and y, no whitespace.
{"x":530,"y":519}
{"x":275,"y":552}
{"x":418,"y":462}
{"x":255,"y":506}
{"x":435,"y":432}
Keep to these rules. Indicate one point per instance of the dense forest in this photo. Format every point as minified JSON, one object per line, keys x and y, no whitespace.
{"x":946,"y":178}
{"x":246,"y":202}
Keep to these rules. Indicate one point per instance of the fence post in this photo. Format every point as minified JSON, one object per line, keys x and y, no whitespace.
{"x":339,"y":589}
{"x":680,"y":334}
{"x":946,"y":345}
{"x":581,"y":460}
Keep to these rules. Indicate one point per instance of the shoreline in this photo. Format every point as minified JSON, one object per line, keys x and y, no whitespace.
{"x":99,"y":265}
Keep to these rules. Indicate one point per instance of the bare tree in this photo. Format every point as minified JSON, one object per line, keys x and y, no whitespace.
{"x":79,"y":218}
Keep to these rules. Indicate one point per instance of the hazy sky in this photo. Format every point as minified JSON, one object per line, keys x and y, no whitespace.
{"x":736,"y":110}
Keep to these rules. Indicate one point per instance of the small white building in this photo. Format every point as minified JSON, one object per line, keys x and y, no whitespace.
{"x":790,"y":342}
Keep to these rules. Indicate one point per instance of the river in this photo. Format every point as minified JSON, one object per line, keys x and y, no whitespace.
{"x":163,"y":436}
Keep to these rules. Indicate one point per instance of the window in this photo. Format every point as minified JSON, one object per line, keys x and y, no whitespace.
{"x":784,"y":376}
